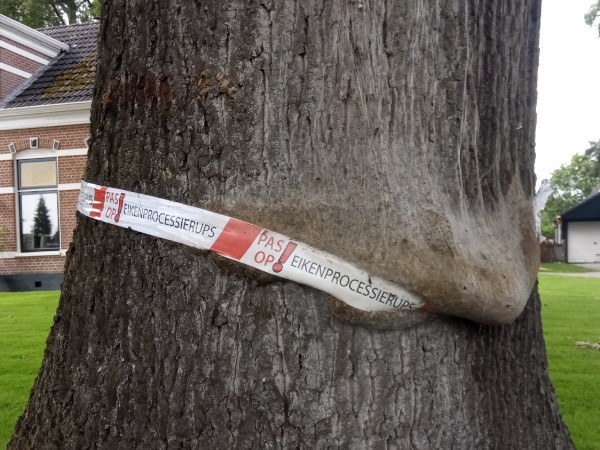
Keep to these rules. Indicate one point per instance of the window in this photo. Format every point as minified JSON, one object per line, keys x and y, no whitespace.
{"x":38,"y":204}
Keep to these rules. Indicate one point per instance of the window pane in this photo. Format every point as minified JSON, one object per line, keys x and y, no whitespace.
{"x":37,"y":173}
{"x":39,"y":221}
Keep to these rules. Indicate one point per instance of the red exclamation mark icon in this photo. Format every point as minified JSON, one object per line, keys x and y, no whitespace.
{"x":289,"y":249}
{"x":121,"y":200}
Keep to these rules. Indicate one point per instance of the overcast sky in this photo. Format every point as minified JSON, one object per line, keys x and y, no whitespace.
{"x":568,"y":89}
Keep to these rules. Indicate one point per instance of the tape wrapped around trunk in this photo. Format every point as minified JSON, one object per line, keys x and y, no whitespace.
{"x":249,"y":244}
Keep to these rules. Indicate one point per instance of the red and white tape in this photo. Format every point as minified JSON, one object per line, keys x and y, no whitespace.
{"x":249,"y":244}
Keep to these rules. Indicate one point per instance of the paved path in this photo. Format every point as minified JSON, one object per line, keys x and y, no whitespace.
{"x":594,"y":266}
{"x":581,"y":275}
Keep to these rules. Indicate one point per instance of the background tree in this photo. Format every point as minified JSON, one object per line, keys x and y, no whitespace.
{"x":593,"y":15}
{"x":593,"y":153}
{"x":30,"y":12}
{"x":398,"y":136}
{"x":47,"y":13}
{"x":571,"y":183}
{"x":42,"y":224}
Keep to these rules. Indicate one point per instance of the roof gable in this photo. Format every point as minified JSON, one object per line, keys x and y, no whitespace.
{"x":28,"y":37}
{"x":589,"y":209}
{"x":69,"y":78}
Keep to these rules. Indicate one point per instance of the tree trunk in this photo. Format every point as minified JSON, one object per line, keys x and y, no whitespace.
{"x":398,"y":137}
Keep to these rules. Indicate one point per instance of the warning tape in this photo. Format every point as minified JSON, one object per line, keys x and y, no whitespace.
{"x":249,"y":244}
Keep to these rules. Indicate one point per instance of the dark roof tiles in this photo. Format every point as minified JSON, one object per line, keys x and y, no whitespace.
{"x":69,"y":77}
{"x":589,"y":209}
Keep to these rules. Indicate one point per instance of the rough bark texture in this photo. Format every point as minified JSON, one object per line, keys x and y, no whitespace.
{"x":397,"y":135}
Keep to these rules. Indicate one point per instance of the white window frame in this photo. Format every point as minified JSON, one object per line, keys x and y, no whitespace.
{"x":33,"y":154}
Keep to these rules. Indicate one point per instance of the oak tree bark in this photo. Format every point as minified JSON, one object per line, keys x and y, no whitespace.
{"x":397,"y":135}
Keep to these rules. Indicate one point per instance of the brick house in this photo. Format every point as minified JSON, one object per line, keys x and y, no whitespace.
{"x":46,"y":81}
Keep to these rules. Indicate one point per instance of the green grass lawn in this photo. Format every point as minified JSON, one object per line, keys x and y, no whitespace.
{"x":571,"y":313}
{"x":25,"y":320}
{"x":563,"y":268}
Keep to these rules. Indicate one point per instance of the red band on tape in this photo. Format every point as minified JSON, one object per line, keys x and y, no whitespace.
{"x":235,"y":239}
{"x":98,"y":202}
